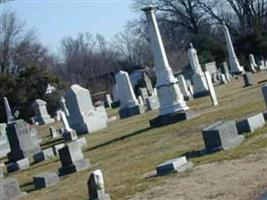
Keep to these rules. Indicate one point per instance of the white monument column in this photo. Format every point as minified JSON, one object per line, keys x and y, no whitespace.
{"x":198,"y":78}
{"x":9,"y":115}
{"x":235,"y":67}
{"x":170,"y":97}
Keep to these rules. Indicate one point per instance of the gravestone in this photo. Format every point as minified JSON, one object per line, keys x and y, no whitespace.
{"x":83,"y":117}
{"x":143,"y":92}
{"x":63,"y":105}
{"x":108,"y":101}
{"x":211,"y":88}
{"x":101,"y":109}
{"x":152,"y":103}
{"x":212,"y":69}
{"x":184,"y":88}
{"x":235,"y":67}
{"x":18,"y":165}
{"x":129,"y":105}
{"x":190,"y":87}
{"x":253,"y":65}
{"x":68,"y":133}
{"x":225,"y":71}
{"x":39,"y":108}
{"x":82,"y":142}
{"x":4,"y":144}
{"x":223,"y":79}
{"x":9,"y":189}
{"x":72,"y":160}
{"x":175,"y":165}
{"x":45,"y":154}
{"x":53,"y":132}
{"x":2,"y":169}
{"x":198,"y":77}
{"x":140,"y":100}
{"x":221,"y":135}
{"x":250,"y":124}
{"x":57,"y":147}
{"x":9,"y":116}
{"x":22,"y":144}
{"x":148,"y":84}
{"x":173,"y":108}
{"x":248,"y":79}
{"x":34,"y":134}
{"x":96,"y":186}
{"x":45,"y":179}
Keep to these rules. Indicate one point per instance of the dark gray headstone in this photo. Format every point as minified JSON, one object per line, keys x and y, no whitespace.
{"x":40,"y":110}
{"x":21,"y":142}
{"x":18,"y":165}
{"x":9,"y":189}
{"x":72,"y":159}
{"x":45,"y":154}
{"x":45,"y":179}
{"x":248,"y":79}
{"x":221,"y":135}
{"x":250,"y":124}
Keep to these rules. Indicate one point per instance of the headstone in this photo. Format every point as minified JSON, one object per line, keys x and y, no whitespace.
{"x":2,"y":169}
{"x":18,"y":165}
{"x":190,"y":87}
{"x":143,"y":92}
{"x":57,"y":115}
{"x":68,"y":134}
{"x":129,"y":105}
{"x":223,"y":79}
{"x":248,"y":79}
{"x":264,"y":93}
{"x":22,"y":144}
{"x":102,"y":111}
{"x":9,"y":189}
{"x":34,"y":134}
{"x":45,"y":179}
{"x":225,"y":71}
{"x":221,"y":135}
{"x":253,"y":65}
{"x":108,"y":101}
{"x":83,"y":117}
{"x":4,"y":144}
{"x":82,"y":141}
{"x":212,"y":69}
{"x":184,"y":88}
{"x":9,"y":116}
{"x":72,"y":160}
{"x":53,"y":132}
{"x":115,"y":93}
{"x":39,"y":108}
{"x":175,"y":165}
{"x":250,"y":124}
{"x":152,"y":103}
{"x":262,"y":66}
{"x":173,"y":108}
{"x":211,"y":89}
{"x":148,"y":84}
{"x":45,"y":154}
{"x":198,"y":77}
{"x":57,"y":147}
{"x":96,"y":186}
{"x":235,"y":67}
{"x":63,"y":106}
{"x":140,"y":100}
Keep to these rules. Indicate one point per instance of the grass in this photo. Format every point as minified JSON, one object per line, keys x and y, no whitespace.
{"x":128,"y":149}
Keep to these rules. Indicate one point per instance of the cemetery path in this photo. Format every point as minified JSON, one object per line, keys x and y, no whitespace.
{"x":243,"y":179}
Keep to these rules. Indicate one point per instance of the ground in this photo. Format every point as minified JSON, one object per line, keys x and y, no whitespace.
{"x":128,"y":151}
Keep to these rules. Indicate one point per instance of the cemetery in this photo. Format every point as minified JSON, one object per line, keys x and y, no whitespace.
{"x":174,"y":135}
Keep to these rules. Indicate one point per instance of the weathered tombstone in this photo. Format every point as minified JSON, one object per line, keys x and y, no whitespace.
{"x":223,"y":79}
{"x":45,"y":154}
{"x":18,"y":165}
{"x":57,"y":147}
{"x":148,"y":85}
{"x":83,"y":116}
{"x":57,"y":115}
{"x":72,"y":160}
{"x":140,"y":100}
{"x":108,"y":101}
{"x":53,"y":132}
{"x":152,"y":103}
{"x":221,"y":135}
{"x":68,"y":134}
{"x":96,"y":186}
{"x":129,"y":105}
{"x":9,"y":116}
{"x":82,"y":142}
{"x":235,"y":67}
{"x":250,"y":124}
{"x":4,"y":144}
{"x":22,"y":144}
{"x":198,"y":77}
{"x":248,"y":79}
{"x":212,"y":69}
{"x":143,"y":92}
{"x":253,"y":65}
{"x":39,"y":108}
{"x":9,"y":189}
{"x":190,"y":87}
{"x":45,"y":179}
{"x":211,"y":89}
{"x":102,"y":111}
{"x":63,"y":106}
{"x":2,"y":169}
{"x":175,"y":165}
{"x":34,"y":134}
{"x":173,"y":108}
{"x":184,"y":88}
{"x":225,"y":71}
{"x":264,"y":93}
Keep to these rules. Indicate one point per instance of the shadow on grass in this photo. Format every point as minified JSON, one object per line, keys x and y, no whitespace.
{"x":52,"y":142}
{"x":200,"y":153}
{"x":118,"y":139}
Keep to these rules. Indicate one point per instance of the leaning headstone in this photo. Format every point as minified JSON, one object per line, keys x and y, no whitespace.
{"x":175,"y":165}
{"x":68,"y":134}
{"x":129,"y":105}
{"x":9,"y":189}
{"x":96,"y":186}
{"x":72,"y":160}
{"x":53,"y":132}
{"x":45,"y":179}
{"x":18,"y":165}
{"x":248,"y":79}
{"x":40,"y":110}
{"x":184,"y":88}
{"x":250,"y":124}
{"x":152,"y":103}
{"x":221,"y":135}
{"x":83,"y":117}
{"x":4,"y":144}
{"x":235,"y":67}
{"x":173,"y":108}
{"x":45,"y":154}
{"x":211,"y":88}
{"x":198,"y":77}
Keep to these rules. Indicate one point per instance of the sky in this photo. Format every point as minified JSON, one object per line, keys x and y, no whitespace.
{"x":56,"y":19}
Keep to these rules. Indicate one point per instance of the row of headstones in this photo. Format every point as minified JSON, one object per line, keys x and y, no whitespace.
{"x":221,"y":135}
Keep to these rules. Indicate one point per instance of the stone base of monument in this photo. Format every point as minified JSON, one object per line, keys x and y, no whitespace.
{"x":173,"y":118}
{"x":248,"y":79}
{"x":175,"y":165}
{"x":152,"y":103}
{"x":115,"y":104}
{"x":18,"y":165}
{"x":129,"y":112}
{"x":45,"y":179}
{"x":9,"y":189}
{"x":102,"y":196}
{"x":69,"y":135}
{"x":250,"y":124}
{"x":221,"y":135}
{"x":76,"y":167}
{"x":45,"y":154}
